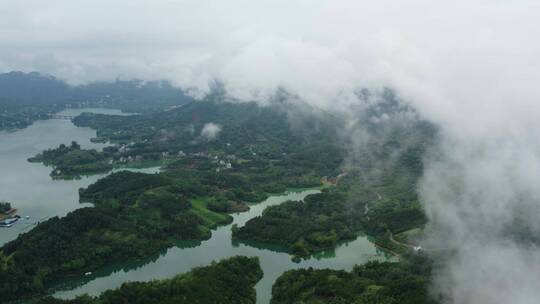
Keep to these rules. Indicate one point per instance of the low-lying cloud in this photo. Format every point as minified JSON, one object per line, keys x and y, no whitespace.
{"x":210,"y":131}
{"x":471,"y":67}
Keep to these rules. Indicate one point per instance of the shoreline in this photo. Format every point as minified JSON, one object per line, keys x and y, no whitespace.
{"x":10,"y":213}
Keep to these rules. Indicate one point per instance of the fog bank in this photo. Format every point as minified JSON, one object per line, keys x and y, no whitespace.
{"x":471,"y":67}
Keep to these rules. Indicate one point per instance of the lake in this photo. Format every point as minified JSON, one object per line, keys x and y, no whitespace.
{"x":28,"y":186}
{"x":31,"y":190}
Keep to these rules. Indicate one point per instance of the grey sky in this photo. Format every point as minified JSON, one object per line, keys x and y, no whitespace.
{"x":472,"y":67}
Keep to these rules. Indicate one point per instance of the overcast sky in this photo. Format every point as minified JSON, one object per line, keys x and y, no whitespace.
{"x":472,"y":67}
{"x":441,"y":53}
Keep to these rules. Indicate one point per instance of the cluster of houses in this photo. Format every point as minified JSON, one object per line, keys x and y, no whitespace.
{"x":128,"y":159}
{"x":222,"y":164}
{"x":333,"y":180}
{"x":123,"y":149}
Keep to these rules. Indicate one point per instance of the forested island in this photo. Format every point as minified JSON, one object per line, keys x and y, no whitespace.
{"x":72,"y":161}
{"x":318,"y":223}
{"x":337,"y":214}
{"x":218,"y":158}
{"x":136,"y":215}
{"x":229,"y":281}
{"x":382,"y":283}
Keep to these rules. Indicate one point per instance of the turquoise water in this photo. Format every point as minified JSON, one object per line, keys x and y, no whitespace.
{"x":29,"y":187}
{"x":191,"y":254}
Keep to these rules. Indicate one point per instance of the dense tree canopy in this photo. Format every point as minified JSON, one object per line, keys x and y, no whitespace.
{"x":229,"y":281}
{"x":374,"y":282}
{"x":4,"y":206}
{"x":256,"y":152}
{"x":71,"y":161}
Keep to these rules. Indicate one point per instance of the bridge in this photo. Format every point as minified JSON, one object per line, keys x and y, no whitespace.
{"x":58,"y":116}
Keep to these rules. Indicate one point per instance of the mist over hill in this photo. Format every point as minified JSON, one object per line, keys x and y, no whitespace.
{"x":470,"y":68}
{"x":18,"y":89}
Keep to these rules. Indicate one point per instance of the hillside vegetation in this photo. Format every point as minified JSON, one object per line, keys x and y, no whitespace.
{"x":376,"y":196}
{"x":230,"y":281}
{"x":26,"y":97}
{"x":382,"y":283}
{"x":218,"y":158}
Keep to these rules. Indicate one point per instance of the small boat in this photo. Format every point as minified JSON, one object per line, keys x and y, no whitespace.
{"x":9,"y":221}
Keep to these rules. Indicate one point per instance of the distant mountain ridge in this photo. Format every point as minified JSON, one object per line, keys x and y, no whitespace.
{"x":32,"y":89}
{"x":27,"y":97}
{"x":36,"y":89}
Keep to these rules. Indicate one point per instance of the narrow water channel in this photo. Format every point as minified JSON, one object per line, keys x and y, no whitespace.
{"x":29,"y":187}
{"x":191,"y":254}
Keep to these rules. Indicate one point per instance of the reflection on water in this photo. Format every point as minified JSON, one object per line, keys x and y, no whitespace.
{"x":28,"y":185}
{"x":77,"y":282}
{"x":274,"y":261}
{"x":31,"y":190}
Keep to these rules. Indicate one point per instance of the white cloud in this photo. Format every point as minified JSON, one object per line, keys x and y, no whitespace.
{"x":210,"y":131}
{"x":472,"y":67}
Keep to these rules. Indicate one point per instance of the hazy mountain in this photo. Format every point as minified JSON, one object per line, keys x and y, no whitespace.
{"x":35,"y":89}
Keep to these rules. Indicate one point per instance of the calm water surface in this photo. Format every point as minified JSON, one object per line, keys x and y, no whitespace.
{"x":191,"y":254}
{"x":28,"y":186}
{"x":31,"y":190}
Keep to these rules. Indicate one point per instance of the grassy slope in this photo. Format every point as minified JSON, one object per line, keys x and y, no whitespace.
{"x":210,"y":218}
